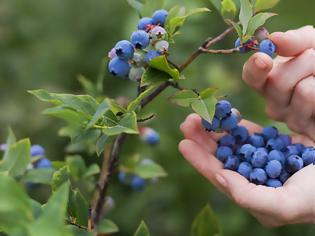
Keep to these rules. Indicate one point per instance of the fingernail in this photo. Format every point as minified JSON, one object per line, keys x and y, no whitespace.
{"x":260,"y":63}
{"x":221,"y":180}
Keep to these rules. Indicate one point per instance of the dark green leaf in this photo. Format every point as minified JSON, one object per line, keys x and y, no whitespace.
{"x":59,"y":177}
{"x":265,"y":4}
{"x":93,"y":169}
{"x":135,"y":103}
{"x":258,"y":21}
{"x":107,"y":227}
{"x":149,"y":170}
{"x":38,"y":176}
{"x":76,"y":166}
{"x":246,"y":14}
{"x":128,"y":124}
{"x":154,"y":76}
{"x":228,"y":9}
{"x":142,"y":230}
{"x":78,"y":208}
{"x":206,"y":223}
{"x":100,"y":144}
{"x":17,"y":159}
{"x":216,"y":4}
{"x":160,"y":63}
{"x":36,"y":208}
{"x":184,"y":98}
{"x":101,"y":110}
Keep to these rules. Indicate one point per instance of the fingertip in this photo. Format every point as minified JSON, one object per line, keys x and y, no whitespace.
{"x":182,"y":146}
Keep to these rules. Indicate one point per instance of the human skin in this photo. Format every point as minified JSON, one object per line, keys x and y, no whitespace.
{"x":294,"y":203}
{"x":287,"y":83}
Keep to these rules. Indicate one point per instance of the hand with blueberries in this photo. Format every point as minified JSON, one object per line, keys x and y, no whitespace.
{"x":287,"y":82}
{"x":268,"y":173}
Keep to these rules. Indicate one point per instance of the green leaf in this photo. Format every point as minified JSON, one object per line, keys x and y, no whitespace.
{"x":258,"y":21}
{"x":51,"y":222}
{"x":160,"y":63}
{"x":59,"y":177}
{"x":38,"y":176}
{"x":149,"y":170}
{"x":36,"y":208}
{"x":246,"y":14}
{"x":128,"y":124}
{"x":87,"y":85}
{"x":135,"y":103}
{"x":75,"y":231}
{"x":184,"y":98}
{"x":11,"y":139}
{"x":76,"y":166}
{"x":216,"y":4}
{"x":17,"y":159}
{"x":78,"y":208}
{"x":153,"y":76}
{"x":101,"y":110}
{"x":229,"y":9}
{"x":72,"y":117}
{"x":206,"y":223}
{"x":205,"y":108}
{"x":93,"y":169}
{"x":208,"y":93}
{"x":115,"y":107}
{"x":15,"y":207}
{"x":138,"y":6}
{"x":100,"y":144}
{"x":107,"y":227}
{"x":265,"y":4}
{"x":142,"y":230}
{"x":237,"y":28}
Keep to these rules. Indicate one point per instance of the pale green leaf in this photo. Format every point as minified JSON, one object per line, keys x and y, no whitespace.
{"x":59,"y":177}
{"x":38,"y":176}
{"x":246,"y":14}
{"x":160,"y":63}
{"x":265,"y":4}
{"x":101,"y":110}
{"x":258,"y":21}
{"x":107,"y":227}
{"x":100,"y":144}
{"x":93,"y":169}
{"x":205,"y":108}
{"x":228,"y":9}
{"x":142,"y":230}
{"x":11,"y":139}
{"x":184,"y":98}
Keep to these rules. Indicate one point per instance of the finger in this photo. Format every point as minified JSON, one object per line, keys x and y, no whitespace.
{"x":256,"y":70}
{"x":294,"y":42}
{"x":285,"y":76}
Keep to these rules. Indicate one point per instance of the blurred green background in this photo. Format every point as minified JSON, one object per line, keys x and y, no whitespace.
{"x":47,"y":43}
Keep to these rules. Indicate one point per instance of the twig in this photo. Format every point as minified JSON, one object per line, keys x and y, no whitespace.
{"x":220,"y":51}
{"x":79,"y":226}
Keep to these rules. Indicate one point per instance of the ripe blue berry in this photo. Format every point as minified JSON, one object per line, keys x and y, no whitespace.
{"x":222,"y":109}
{"x":300,"y":147}
{"x":43,"y":163}
{"x":243,"y":48}
{"x":276,"y":155}
{"x":294,"y":164}
{"x":286,"y":139}
{"x":118,"y":67}
{"x":37,"y":150}
{"x":240,"y":134}
{"x":268,"y":47}
{"x":284,"y":176}
{"x":273,"y":169}
{"x":124,"y":50}
{"x":246,"y":152}
{"x":258,"y":176}
{"x":291,"y":150}
{"x":245,"y":169}
{"x":144,"y":23}
{"x":269,"y":132}
{"x":149,"y":135}
{"x":159,"y":17}
{"x":223,"y":153}
{"x":308,"y":156}
{"x":275,"y":144}
{"x":151,"y":54}
{"x":227,"y":140}
{"x":229,"y":122}
{"x":140,"y":39}
{"x":256,"y":140}
{"x":259,"y":159}
{"x":232,"y":163}
{"x":211,"y":127}
{"x":274,"y":183}
{"x":122,"y":177}
{"x":137,"y":183}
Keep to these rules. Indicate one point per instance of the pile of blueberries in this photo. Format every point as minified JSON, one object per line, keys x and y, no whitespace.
{"x":267,"y":158}
{"x":130,"y":58}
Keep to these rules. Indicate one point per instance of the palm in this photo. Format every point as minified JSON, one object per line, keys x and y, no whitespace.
{"x":292,"y":203}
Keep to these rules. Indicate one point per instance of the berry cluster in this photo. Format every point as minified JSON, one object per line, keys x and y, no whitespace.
{"x":40,"y":161}
{"x":266,"y":158}
{"x":259,"y":42}
{"x":130,"y":58}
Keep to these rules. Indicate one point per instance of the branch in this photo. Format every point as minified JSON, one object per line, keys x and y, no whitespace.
{"x":220,"y":51}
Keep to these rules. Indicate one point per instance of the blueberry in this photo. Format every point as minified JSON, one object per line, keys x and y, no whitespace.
{"x":294,"y":163}
{"x":122,"y":177}
{"x":243,"y":48}
{"x":269,"y":132}
{"x":237,"y":114}
{"x":245,"y":169}
{"x":159,"y":17}
{"x":137,"y":183}
{"x":286,"y":139}
{"x":150,"y":55}
{"x":211,"y":127}
{"x":232,"y":163}
{"x":223,"y":153}
{"x":276,"y":155}
{"x":268,"y":47}
{"x":291,"y":150}
{"x":240,"y":134}
{"x":144,"y":23}
{"x":118,"y":67}
{"x":216,"y":124}
{"x":284,"y":176}
{"x":308,"y":156}
{"x":140,"y":39}
{"x":222,"y":109}
{"x":274,"y":183}
{"x":273,"y":169}
{"x":229,"y":122}
{"x":37,"y":150}
{"x":227,"y":140}
{"x":43,"y":163}
{"x":259,"y":159}
{"x":275,"y":144}
{"x":300,"y":147}
{"x":124,"y":50}
{"x":256,"y":140}
{"x":136,"y":73}
{"x":261,"y":34}
{"x":149,"y":136}
{"x":206,"y":125}
{"x":246,"y":152}
{"x":162,"y":46}
{"x":258,"y":176}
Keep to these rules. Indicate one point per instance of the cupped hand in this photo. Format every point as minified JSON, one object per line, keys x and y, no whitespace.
{"x":291,"y":204}
{"x":287,"y":82}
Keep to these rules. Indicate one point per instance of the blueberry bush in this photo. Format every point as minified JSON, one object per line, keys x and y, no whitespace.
{"x":79,"y":199}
